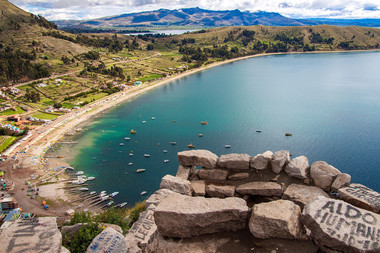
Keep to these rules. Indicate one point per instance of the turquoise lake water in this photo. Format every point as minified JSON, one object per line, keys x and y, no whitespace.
{"x":329,"y":102}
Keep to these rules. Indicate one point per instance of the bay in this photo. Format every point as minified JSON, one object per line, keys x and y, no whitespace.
{"x":329,"y":102}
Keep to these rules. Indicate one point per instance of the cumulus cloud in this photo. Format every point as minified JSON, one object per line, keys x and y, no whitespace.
{"x":85,"y":9}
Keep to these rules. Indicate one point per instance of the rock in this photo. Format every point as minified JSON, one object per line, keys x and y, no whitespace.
{"x":302,"y":194}
{"x":31,"y":235}
{"x":185,"y":171}
{"x":298,"y":167}
{"x":183,"y":216}
{"x":323,"y":174}
{"x":157,"y":196}
{"x":109,"y":240}
{"x":113,"y":226}
{"x":68,"y":232}
{"x":143,"y":232}
{"x":220,"y":191}
{"x":279,"y":160}
{"x":199,"y":187}
{"x":361,"y":196}
{"x":261,"y":161}
{"x":260,"y":188}
{"x":199,"y":157}
{"x":64,"y":250}
{"x":218,"y":175}
{"x":176,"y":184}
{"x":276,"y":219}
{"x":70,"y":212}
{"x":235,"y":162}
{"x":341,"y":226}
{"x":275,"y":179}
{"x":341,"y":180}
{"x":238,"y":176}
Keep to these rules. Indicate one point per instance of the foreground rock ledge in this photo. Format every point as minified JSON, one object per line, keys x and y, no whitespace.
{"x":199,"y":157}
{"x":184,"y":216}
{"x":361,"y":196}
{"x":341,"y":226}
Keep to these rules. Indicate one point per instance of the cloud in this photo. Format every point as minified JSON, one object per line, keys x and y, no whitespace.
{"x":85,"y":9}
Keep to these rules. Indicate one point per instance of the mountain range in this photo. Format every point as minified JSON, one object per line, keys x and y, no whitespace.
{"x":206,"y":18}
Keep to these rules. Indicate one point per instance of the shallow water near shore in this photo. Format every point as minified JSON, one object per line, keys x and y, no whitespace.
{"x":329,"y":102}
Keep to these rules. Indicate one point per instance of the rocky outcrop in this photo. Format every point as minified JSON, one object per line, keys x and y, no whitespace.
{"x":341,"y":180}
{"x":109,"y":240}
{"x":302,"y":194}
{"x":298,"y":167}
{"x":31,"y":235}
{"x":199,"y":157}
{"x":185,"y":171}
{"x":361,"y":196}
{"x":260,"y":188}
{"x":238,"y":176}
{"x":220,"y":191}
{"x":234,"y":162}
{"x":176,"y":184}
{"x":279,"y":160}
{"x":214,"y":175}
{"x":276,"y":219}
{"x":261,"y":161}
{"x":184,"y":216}
{"x":323,"y":174}
{"x":199,"y":187}
{"x":157,"y":196}
{"x":341,"y":226}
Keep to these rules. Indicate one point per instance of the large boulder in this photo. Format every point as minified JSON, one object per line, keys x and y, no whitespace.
{"x":235,"y":162}
{"x":261,"y":161}
{"x":341,"y":226}
{"x":302,"y":194}
{"x":157,"y":196}
{"x":199,"y":187}
{"x":341,"y":180}
{"x":31,"y":235}
{"x":176,"y":184}
{"x":238,"y":176}
{"x":198,"y":157}
{"x":298,"y":167}
{"x":275,"y":219}
{"x":361,"y":196}
{"x":220,"y":191}
{"x":109,"y":240}
{"x":183,"y":216}
{"x":184,"y":171}
{"x":260,"y":188}
{"x":279,"y":160}
{"x":323,"y":174}
{"x":214,"y":175}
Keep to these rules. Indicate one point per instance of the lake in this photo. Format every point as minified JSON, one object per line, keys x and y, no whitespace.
{"x":329,"y":102}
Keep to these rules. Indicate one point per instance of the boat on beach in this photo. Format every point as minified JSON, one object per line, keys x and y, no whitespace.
{"x":79,"y":173}
{"x":114,"y":194}
{"x":83,"y":189}
{"x":109,"y":203}
{"x":122,"y":204}
{"x":92,"y":193}
{"x":105,"y":197}
{"x":69,"y":168}
{"x":140,"y":170}
{"x":143,"y":193}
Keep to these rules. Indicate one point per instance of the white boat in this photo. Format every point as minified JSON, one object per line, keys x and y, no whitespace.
{"x":121,"y":144}
{"x":130,"y":154}
{"x":143,"y":193}
{"x":166,"y":161}
{"x":140,"y":170}
{"x":173,"y":143}
{"x":103,"y":192}
{"x":92,"y":193}
{"x":122,"y":204}
{"x":90,"y":178}
{"x":127,"y":138}
{"x":79,"y":181}
{"x":153,"y":118}
{"x":165,"y":151}
{"x":104,"y":197}
{"x":83,"y":189}
{"x":143,"y":121}
{"x":130,"y":164}
{"x":113,"y":194}
{"x":110,"y":203}
{"x":227,"y":146}
{"x":79,"y":173}
{"x":146,"y":155}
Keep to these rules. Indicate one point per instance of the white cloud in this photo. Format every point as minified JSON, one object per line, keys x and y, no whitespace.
{"x":85,"y":9}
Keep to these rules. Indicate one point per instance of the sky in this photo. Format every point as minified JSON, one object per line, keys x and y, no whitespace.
{"x":90,"y":9}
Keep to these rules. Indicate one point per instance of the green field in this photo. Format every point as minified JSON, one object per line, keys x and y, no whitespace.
{"x":41,"y":115}
{"x":6,"y":141}
{"x":11,"y":112}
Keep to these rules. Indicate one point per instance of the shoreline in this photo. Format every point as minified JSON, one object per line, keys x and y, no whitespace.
{"x":38,"y":143}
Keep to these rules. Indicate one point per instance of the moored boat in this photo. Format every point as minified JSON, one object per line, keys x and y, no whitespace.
{"x":127,"y":138}
{"x":133,"y":131}
{"x":123,"y":204}
{"x":146,"y":155}
{"x":227,"y":146}
{"x":130,"y":154}
{"x":153,"y":117}
{"x":258,"y":131}
{"x":90,"y":178}
{"x":121,"y":144}
{"x":166,"y":161}
{"x":130,"y":164}
{"x":200,"y":135}
{"x":69,"y":168}
{"x":190,"y":145}
{"x":79,"y":173}
{"x":165,"y":151}
{"x":143,"y":121}
{"x":114,"y":194}
{"x":140,"y":170}
{"x":109,"y":203}
{"x":173,"y":143}
{"x":288,"y":134}
{"x":143,"y":193}
{"x":92,"y":193}
{"x":204,"y":123}
{"x":83,"y":189}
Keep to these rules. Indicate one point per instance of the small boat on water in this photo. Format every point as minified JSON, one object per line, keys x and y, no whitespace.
{"x":127,"y":138}
{"x":258,"y":131}
{"x":79,"y":173}
{"x":92,"y":193}
{"x":122,"y":204}
{"x":83,"y":189}
{"x":143,"y":193}
{"x":200,"y":135}
{"x":126,"y":173}
{"x":143,"y":121}
{"x":69,"y":168}
{"x":173,"y":120}
{"x":140,"y":170}
{"x":153,"y":117}
{"x":190,"y":145}
{"x":204,"y":123}
{"x":121,"y":144}
{"x":130,"y":164}
{"x":109,"y":203}
{"x":130,"y":154}
{"x":114,"y":194}
{"x":288,"y":134}
{"x":105,"y":197}
{"x":146,"y":155}
{"x":166,"y":161}
{"x":90,"y":178}
{"x":133,"y":131}
{"x":165,"y":151}
{"x":227,"y":146}
{"x":103,"y":192}
{"x":173,"y":143}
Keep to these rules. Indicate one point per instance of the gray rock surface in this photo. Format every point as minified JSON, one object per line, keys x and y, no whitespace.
{"x":323,"y":174}
{"x":31,"y":235}
{"x":235,"y":162}
{"x":218,"y":175}
{"x":341,"y":180}
{"x":260,"y":188}
{"x":157,"y":196}
{"x":261,"y":161}
{"x":238,"y":176}
{"x":276,"y":219}
{"x":302,"y":194}
{"x":199,"y":187}
{"x":342,"y":226}
{"x":279,"y":160}
{"x":220,"y":191}
{"x":176,"y":184}
{"x":198,"y":157}
{"x":361,"y":196}
{"x":109,"y":240}
{"x":183,"y":216}
{"x":298,"y":167}
{"x":64,"y":250}
{"x":184,"y":171}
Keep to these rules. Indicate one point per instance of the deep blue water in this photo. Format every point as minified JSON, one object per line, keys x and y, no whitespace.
{"x":329,"y":102}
